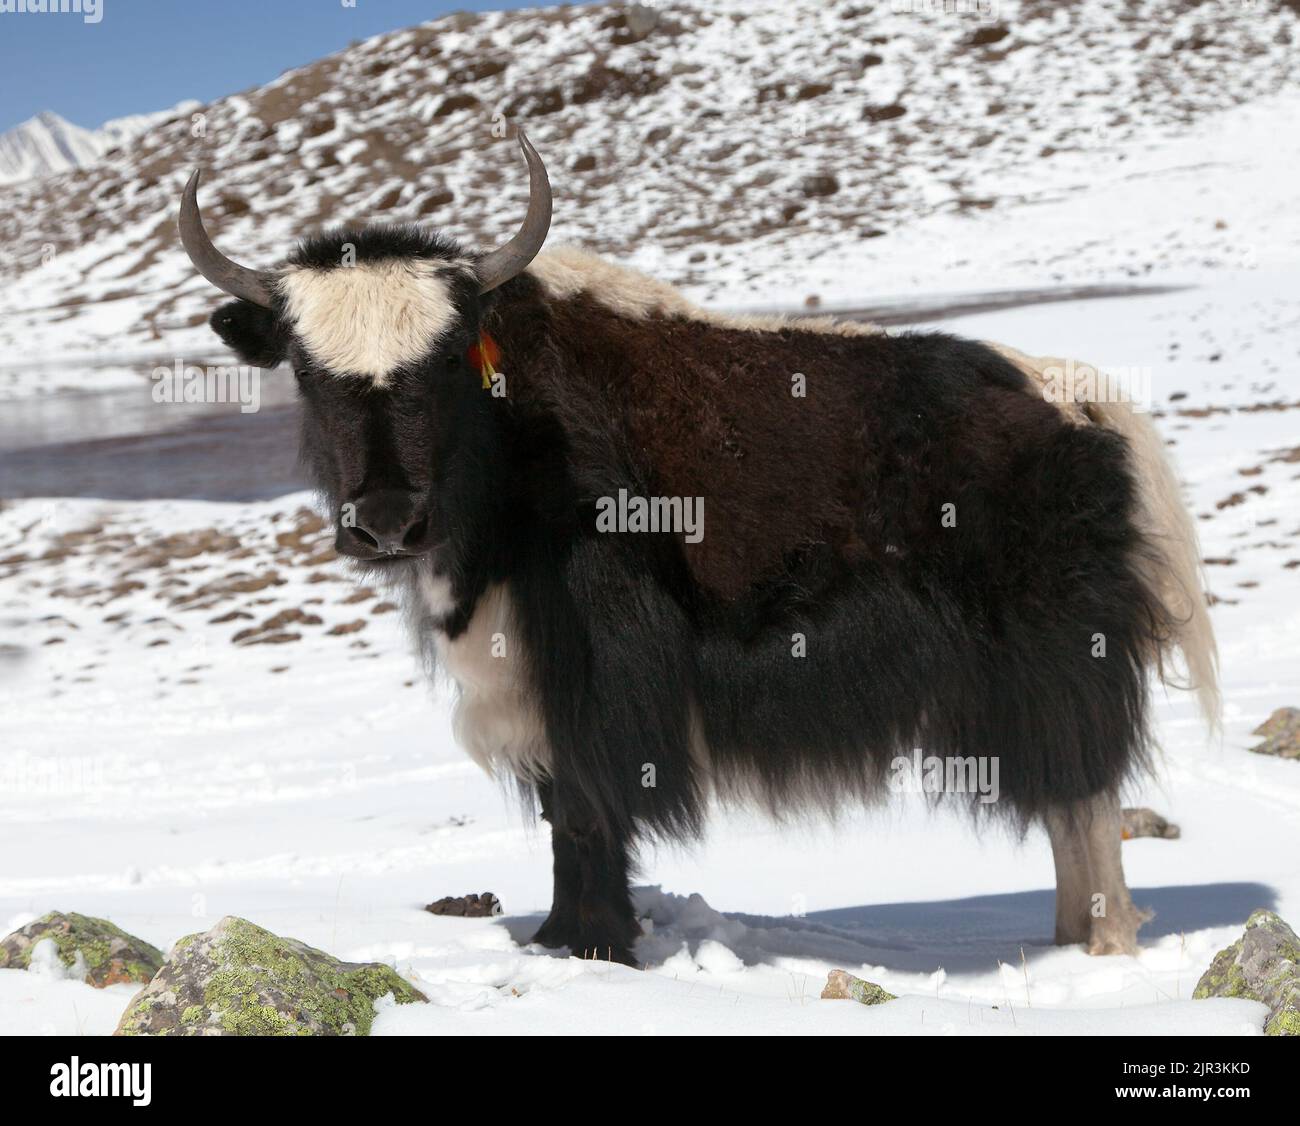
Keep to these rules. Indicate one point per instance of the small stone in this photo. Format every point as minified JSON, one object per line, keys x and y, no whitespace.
{"x":843,"y":986}
{"x":241,"y":980}
{"x":986,"y":35}
{"x":812,"y":90}
{"x":883,"y":113}
{"x":108,"y":954}
{"x":641,"y":20}
{"x":1282,"y":734}
{"x":1144,"y":822}
{"x":1262,"y":965}
{"x":347,"y":627}
{"x":438,"y":198}
{"x":467,"y":906}
{"x":453,"y":103}
{"x":819,"y":185}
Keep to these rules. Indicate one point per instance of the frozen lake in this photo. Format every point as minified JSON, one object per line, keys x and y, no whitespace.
{"x":117,"y":443}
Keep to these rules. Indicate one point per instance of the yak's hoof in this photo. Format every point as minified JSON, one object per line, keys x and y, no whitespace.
{"x":588,"y":949}
{"x":557,"y":933}
{"x":554,"y":932}
{"x":1117,"y":933}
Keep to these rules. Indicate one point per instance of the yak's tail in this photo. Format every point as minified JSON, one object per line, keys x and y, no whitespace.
{"x":1178,"y":578}
{"x":1175,"y":573}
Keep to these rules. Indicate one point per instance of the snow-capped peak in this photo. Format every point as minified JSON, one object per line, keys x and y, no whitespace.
{"x":43,"y":145}
{"x":48,"y":144}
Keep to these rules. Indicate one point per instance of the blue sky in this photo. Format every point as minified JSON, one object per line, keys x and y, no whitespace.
{"x":146,"y":55}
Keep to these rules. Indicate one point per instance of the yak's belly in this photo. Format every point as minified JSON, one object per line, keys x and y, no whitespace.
{"x":496,"y":720}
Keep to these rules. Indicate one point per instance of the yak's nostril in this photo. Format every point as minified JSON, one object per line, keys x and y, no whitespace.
{"x":365,"y":537}
{"x":416,"y":532}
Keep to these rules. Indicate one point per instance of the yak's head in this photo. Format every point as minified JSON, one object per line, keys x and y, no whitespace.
{"x":378,"y":324}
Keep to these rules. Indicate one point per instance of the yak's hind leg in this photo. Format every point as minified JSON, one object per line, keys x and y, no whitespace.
{"x":1093,"y":905}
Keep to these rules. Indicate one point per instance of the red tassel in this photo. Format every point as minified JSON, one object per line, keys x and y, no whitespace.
{"x":485,"y":355}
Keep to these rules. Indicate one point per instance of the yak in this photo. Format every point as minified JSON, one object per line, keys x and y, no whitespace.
{"x":901,"y":543}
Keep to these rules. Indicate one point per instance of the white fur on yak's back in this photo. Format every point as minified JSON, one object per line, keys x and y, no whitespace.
{"x":370,"y":318}
{"x":566,"y":271}
{"x":1177,"y":577}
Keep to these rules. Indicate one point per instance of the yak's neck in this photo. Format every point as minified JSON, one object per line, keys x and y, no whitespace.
{"x":504,"y":482}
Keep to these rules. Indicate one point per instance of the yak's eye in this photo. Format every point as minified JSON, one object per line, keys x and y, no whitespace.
{"x":453,"y":360}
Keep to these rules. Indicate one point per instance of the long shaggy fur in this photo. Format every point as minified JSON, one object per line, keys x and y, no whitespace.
{"x":824,"y":524}
{"x":904,"y":547}
{"x":1174,"y":569}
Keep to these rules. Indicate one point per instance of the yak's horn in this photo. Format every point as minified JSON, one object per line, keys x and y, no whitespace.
{"x":237,"y":280}
{"x":506,"y":261}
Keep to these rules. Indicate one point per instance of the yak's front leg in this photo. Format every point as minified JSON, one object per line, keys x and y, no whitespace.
{"x":1093,"y":905}
{"x":591,"y":911}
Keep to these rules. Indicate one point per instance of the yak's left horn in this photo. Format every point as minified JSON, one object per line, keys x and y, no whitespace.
{"x":237,"y":280}
{"x":506,"y":261}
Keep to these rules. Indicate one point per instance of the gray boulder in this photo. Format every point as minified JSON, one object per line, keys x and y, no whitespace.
{"x":1262,"y":965}
{"x":843,"y":986}
{"x":241,"y":980}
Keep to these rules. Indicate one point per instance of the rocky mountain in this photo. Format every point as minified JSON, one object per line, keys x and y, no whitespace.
{"x":48,"y":144}
{"x":741,"y":148}
{"x":44,"y":144}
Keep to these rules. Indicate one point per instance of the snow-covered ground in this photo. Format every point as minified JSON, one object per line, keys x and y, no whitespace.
{"x":161,"y":773}
{"x":157,"y":773}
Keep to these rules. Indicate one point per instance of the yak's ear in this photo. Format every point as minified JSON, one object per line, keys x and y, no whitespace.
{"x":254,"y":334}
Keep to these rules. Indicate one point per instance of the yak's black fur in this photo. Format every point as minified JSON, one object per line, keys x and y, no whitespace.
{"x":974,"y":640}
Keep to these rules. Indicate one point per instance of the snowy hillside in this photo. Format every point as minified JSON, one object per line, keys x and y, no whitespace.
{"x":757,"y":152}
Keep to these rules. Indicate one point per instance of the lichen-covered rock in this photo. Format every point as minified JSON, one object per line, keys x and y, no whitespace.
{"x":1262,"y":965}
{"x":843,"y":986}
{"x":1143,"y":822}
{"x":1281,"y":733}
{"x":241,"y":980}
{"x":107,"y":954}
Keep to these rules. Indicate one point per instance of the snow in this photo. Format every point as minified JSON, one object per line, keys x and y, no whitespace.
{"x":43,"y":144}
{"x":47,"y":144}
{"x":175,"y":783}
{"x":157,"y":772}
{"x":1071,"y":115}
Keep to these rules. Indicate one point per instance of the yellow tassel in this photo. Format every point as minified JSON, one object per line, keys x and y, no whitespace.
{"x":486,"y":349}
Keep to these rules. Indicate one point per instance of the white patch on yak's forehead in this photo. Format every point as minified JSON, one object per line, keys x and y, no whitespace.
{"x":371,"y":318}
